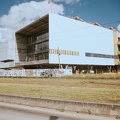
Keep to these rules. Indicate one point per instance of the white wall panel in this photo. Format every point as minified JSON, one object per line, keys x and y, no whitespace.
{"x":74,"y":35}
{"x":7,"y":50}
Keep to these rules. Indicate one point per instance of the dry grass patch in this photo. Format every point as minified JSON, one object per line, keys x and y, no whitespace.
{"x":106,"y":90}
{"x":94,"y":76}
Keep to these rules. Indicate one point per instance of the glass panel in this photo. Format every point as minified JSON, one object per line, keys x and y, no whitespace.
{"x":42,"y":37}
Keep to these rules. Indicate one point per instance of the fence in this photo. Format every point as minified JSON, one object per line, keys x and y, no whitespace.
{"x":36,"y":72}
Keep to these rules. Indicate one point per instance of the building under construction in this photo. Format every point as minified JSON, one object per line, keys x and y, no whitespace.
{"x":55,"y":41}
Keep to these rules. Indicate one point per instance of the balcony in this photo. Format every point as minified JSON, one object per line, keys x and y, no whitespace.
{"x":35,"y":62}
{"x":118,"y":42}
{"x":38,"y":52}
{"x":39,"y":39}
{"x":118,"y":62}
{"x":118,"y":52}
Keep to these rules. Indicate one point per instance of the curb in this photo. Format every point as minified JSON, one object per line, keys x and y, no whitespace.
{"x":50,"y":113}
{"x":97,"y":108}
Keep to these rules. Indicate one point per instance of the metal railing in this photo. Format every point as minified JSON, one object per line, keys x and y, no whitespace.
{"x":118,"y":42}
{"x":32,"y":62}
{"x":40,"y":38}
{"x":118,"y":52}
{"x":40,"y":51}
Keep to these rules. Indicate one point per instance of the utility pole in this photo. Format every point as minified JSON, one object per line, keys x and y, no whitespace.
{"x":59,"y":57}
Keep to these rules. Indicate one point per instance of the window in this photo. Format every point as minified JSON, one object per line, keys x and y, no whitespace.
{"x":101,"y":55}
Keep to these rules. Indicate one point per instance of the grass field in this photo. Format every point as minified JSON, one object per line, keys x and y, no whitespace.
{"x":76,"y":88}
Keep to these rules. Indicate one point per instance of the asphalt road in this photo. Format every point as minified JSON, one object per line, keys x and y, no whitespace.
{"x":20,"y":112}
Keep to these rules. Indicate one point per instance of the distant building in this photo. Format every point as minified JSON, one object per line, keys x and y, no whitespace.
{"x":55,"y":41}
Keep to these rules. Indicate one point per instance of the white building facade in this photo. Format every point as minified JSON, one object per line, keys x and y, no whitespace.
{"x":81,"y":37}
{"x":55,"y":41}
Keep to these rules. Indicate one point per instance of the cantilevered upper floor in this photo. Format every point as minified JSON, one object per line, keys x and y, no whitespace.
{"x":32,"y":42}
{"x":55,"y":39}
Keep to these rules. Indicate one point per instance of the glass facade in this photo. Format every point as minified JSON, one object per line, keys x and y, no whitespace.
{"x":119,"y":48}
{"x":38,"y":47}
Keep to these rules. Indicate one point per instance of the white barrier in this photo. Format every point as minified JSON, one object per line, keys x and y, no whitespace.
{"x":36,"y":72}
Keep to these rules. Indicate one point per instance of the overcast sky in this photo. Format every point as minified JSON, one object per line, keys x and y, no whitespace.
{"x":15,"y":14}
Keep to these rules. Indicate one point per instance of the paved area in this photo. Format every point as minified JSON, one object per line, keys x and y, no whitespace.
{"x":20,"y":112}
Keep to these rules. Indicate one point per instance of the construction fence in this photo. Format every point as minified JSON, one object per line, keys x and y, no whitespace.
{"x":36,"y":73}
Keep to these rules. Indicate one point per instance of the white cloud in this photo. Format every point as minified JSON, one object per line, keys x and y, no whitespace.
{"x":23,"y":14}
{"x":67,"y":1}
{"x":6,"y":34}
